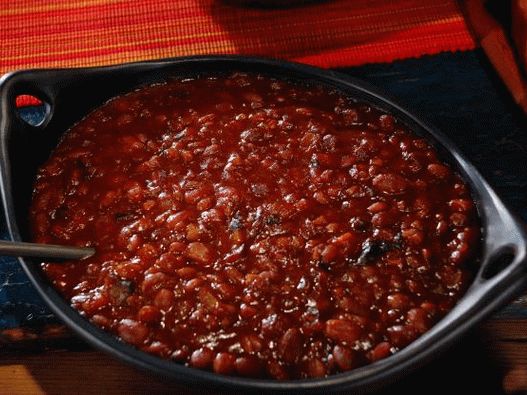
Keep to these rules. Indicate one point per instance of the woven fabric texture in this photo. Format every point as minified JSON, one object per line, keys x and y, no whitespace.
{"x":331,"y":33}
{"x":65,"y":33}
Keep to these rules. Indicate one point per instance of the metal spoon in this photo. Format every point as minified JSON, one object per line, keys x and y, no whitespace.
{"x":17,"y":248}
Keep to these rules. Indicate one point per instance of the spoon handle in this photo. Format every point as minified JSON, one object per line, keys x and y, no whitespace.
{"x":16,"y":248}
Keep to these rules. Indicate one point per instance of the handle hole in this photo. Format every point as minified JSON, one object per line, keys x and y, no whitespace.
{"x":497,"y":264}
{"x":33,"y":110}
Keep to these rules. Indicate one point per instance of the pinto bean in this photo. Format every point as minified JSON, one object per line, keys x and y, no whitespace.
{"x":256,"y":227}
{"x":390,"y":184}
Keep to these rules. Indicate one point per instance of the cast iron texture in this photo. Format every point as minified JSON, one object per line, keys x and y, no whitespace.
{"x":71,"y":94}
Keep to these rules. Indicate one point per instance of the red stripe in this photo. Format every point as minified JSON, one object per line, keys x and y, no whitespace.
{"x":98,"y":52}
{"x":393,"y":37}
{"x":95,"y":12}
{"x":84,"y":21}
{"x":330,"y":34}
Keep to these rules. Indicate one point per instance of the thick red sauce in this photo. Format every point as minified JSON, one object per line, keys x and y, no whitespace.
{"x":255,"y":227}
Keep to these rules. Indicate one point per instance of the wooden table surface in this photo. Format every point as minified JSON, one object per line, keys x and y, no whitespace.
{"x":489,"y":360}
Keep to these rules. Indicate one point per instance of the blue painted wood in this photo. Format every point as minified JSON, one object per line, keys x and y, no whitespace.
{"x":457,"y":92}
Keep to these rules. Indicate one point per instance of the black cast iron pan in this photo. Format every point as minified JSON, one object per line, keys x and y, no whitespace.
{"x":71,"y":94}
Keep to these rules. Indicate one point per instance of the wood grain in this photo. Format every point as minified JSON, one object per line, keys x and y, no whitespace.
{"x":506,"y":341}
{"x":496,"y":354}
{"x":88,"y":372}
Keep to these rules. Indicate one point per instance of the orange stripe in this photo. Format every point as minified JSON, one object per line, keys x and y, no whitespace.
{"x":94,"y":32}
{"x":44,"y":43}
{"x":114,"y":9}
{"x":345,"y":57}
{"x":195,"y":44}
{"x":341,"y":21}
{"x":94,"y":37}
{"x":105,"y":48}
{"x":39,"y":8}
{"x":335,"y":14}
{"x":291,"y":24}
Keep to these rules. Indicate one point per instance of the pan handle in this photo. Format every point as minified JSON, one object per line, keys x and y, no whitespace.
{"x":503,"y":271}
{"x":11,"y":86}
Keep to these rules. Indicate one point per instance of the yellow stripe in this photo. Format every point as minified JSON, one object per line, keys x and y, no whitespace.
{"x":130,"y":56}
{"x":73,"y":38}
{"x":29,"y":40}
{"x":192,"y":48}
{"x":67,"y":5}
{"x":204,"y":48}
{"x":336,"y":8}
{"x":119,"y":45}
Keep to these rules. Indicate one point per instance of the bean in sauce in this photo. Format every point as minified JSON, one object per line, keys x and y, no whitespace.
{"x":255,"y":227}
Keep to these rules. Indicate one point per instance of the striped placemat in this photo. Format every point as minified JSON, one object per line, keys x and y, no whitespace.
{"x":65,"y":33}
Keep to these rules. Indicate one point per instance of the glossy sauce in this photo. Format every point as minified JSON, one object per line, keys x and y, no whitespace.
{"x":255,"y":227}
